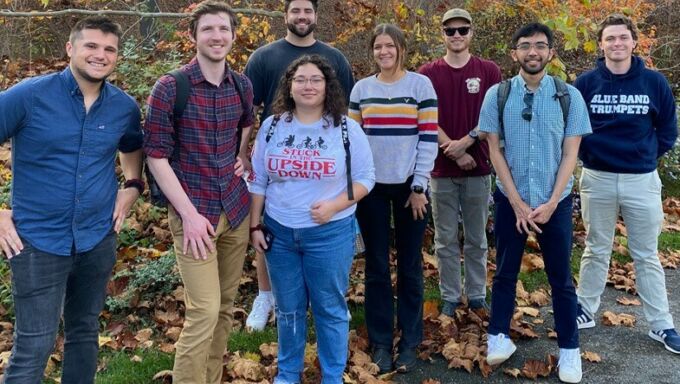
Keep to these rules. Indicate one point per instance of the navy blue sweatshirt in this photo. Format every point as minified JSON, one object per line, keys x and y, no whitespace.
{"x":633,"y":118}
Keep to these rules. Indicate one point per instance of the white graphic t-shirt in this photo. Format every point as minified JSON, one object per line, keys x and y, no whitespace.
{"x":305,"y":163}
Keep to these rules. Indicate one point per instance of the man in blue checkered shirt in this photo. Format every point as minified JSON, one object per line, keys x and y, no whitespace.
{"x":534,"y":179}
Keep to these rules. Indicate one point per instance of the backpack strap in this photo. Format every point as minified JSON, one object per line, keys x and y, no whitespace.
{"x":182,"y":93}
{"x":502,"y":98}
{"x":244,"y":105}
{"x":270,"y":131}
{"x":562,"y":94}
{"x":348,"y":158}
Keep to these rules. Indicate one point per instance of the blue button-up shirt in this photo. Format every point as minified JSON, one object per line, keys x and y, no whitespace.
{"x":533,"y":149}
{"x":63,"y":159}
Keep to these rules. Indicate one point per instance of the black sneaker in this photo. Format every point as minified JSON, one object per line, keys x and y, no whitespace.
{"x":669,"y":338}
{"x":382,"y":357}
{"x":406,"y":360}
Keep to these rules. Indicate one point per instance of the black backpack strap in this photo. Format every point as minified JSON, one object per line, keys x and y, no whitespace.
{"x":270,"y":131}
{"x":244,"y":104}
{"x":348,"y":158}
{"x":562,"y":94}
{"x":502,"y":99}
{"x":182,"y":93}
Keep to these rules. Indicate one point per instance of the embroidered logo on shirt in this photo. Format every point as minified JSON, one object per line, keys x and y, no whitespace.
{"x":473,"y":84}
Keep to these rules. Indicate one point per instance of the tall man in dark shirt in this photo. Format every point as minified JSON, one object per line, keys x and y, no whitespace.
{"x":66,"y":131}
{"x":195,"y":165}
{"x":264,"y":68}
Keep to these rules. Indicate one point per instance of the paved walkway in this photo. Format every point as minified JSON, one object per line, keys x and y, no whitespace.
{"x":628,"y":355}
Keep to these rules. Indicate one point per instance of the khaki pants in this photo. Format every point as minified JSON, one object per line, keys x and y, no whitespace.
{"x":210,"y":287}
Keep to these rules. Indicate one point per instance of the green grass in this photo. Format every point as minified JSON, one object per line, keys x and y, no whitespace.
{"x":534,"y":280}
{"x":431,"y":289}
{"x":669,"y":240}
{"x":119,"y":369}
{"x":250,"y":342}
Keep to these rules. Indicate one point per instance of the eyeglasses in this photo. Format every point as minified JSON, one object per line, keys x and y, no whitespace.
{"x":314,"y":80}
{"x":539,"y":46}
{"x":528,"y":102}
{"x":450,"y":31}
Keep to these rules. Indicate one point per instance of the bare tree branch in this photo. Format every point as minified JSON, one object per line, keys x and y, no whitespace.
{"x":111,"y":12}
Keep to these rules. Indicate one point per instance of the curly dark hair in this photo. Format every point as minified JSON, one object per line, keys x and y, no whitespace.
{"x":335,"y":104}
{"x":101,"y":23}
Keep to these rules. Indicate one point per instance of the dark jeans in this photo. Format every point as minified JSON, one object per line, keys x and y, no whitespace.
{"x":555,"y":243}
{"x":43,"y":285}
{"x":374,"y":213}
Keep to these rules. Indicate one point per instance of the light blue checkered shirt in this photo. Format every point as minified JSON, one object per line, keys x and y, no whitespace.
{"x":533,"y":150}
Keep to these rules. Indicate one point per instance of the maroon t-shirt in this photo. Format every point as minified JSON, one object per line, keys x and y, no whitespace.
{"x":460,"y":93}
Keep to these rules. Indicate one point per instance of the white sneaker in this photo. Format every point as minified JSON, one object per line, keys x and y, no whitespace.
{"x":499,"y":348}
{"x":569,"y":365}
{"x":259,"y":315}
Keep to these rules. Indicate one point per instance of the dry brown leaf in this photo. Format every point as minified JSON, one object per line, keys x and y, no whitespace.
{"x":143,"y":335}
{"x":162,"y":375}
{"x":514,"y":372}
{"x":270,"y":350}
{"x":529,"y":311}
{"x":628,"y":301}
{"x":431,"y":309}
{"x":430,"y":381}
{"x":552,"y":334}
{"x":167,"y":348}
{"x":465,"y":364}
{"x":451,"y":350}
{"x":591,"y":356}
{"x":173,"y":333}
{"x":613,"y":319}
{"x":243,"y":368}
{"x":136,"y":359}
{"x":534,"y":368}
{"x":531,"y":262}
{"x":539,"y":298}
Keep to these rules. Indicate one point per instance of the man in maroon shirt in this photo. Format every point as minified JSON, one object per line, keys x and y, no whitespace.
{"x":461,"y":174}
{"x":193,"y":161}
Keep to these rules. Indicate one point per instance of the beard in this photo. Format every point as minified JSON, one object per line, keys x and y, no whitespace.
{"x":533,"y":70}
{"x":293,"y":28}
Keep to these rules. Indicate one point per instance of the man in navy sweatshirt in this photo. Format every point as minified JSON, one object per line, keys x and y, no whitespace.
{"x":632,"y":113}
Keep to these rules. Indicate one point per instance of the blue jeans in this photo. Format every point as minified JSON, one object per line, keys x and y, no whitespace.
{"x":374,"y":213}
{"x":556,"y":244}
{"x":44,"y":285}
{"x":310,"y":266}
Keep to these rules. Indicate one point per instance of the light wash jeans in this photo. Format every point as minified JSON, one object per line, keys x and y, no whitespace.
{"x":310,"y":266}
{"x":638,"y":198}
{"x":468,"y":196}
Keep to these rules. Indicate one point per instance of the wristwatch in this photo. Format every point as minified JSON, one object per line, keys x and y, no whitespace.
{"x":474,"y":134}
{"x":417,"y":189}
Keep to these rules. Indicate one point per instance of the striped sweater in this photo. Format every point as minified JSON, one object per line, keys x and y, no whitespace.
{"x":400,"y":121}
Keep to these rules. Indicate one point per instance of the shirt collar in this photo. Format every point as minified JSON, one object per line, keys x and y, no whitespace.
{"x":541,"y":85}
{"x":196,"y":76}
{"x":72,"y":84}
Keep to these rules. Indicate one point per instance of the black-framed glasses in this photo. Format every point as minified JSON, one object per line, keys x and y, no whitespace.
{"x":463,"y":31}
{"x":528,"y":102}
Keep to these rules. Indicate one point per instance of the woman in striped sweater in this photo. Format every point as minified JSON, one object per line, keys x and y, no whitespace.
{"x":398,"y":111}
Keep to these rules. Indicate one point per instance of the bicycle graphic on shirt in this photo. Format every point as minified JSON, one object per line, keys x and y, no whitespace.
{"x":307,"y":143}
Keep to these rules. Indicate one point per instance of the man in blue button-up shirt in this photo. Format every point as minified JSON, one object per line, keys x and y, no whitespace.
{"x":534,"y":181}
{"x":66,"y":131}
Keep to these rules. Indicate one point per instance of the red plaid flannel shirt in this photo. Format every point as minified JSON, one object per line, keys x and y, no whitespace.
{"x":206,"y":138}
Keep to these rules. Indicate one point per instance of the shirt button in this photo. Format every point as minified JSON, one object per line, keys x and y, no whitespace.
{"x":532,"y":147}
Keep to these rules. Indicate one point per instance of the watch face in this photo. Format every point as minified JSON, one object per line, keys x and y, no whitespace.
{"x":474,"y":134}
{"x":418,"y":189}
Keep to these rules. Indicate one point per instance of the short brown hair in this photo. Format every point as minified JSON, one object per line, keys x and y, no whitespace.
{"x":617,"y":19}
{"x":101,"y":23}
{"x":211,"y":7}
{"x":397,"y":36}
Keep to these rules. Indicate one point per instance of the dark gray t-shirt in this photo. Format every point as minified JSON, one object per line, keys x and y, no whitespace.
{"x":268,"y":63}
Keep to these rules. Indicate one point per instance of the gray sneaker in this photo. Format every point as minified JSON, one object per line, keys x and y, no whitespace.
{"x":478,"y":304}
{"x":448,"y":308}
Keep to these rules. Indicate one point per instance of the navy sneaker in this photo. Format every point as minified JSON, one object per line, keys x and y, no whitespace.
{"x":669,"y":338}
{"x":583,"y":320}
{"x":448,"y":308}
{"x":406,"y":360}
{"x":382,"y":357}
